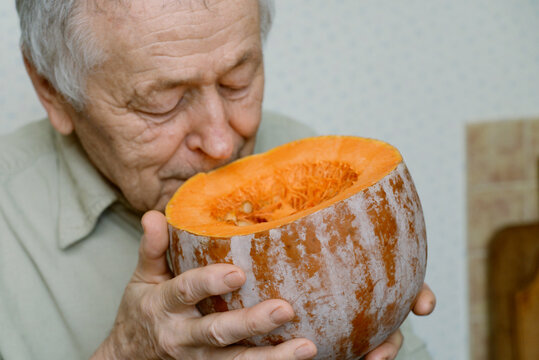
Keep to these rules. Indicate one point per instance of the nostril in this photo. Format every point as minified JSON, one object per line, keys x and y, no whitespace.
{"x":193,"y":142}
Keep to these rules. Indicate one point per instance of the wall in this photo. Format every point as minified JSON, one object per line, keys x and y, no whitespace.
{"x":411,"y":73}
{"x":18,"y":103}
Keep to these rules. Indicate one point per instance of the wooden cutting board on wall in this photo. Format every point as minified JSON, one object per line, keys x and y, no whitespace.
{"x":513,"y":293}
{"x":527,"y":317}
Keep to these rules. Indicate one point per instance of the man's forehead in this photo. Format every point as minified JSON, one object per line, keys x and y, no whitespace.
{"x":153,"y":25}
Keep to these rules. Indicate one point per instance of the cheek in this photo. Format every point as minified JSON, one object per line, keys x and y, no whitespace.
{"x":246,"y":114}
{"x":246,"y":123}
{"x":152,"y":144}
{"x":143,"y":160}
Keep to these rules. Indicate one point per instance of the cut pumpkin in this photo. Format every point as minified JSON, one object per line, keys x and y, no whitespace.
{"x":331,"y":224}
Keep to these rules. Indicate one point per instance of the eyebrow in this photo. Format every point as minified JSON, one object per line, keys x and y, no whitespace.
{"x":166,"y":84}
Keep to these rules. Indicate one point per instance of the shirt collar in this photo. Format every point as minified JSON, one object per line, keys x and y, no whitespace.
{"x":84,"y":193}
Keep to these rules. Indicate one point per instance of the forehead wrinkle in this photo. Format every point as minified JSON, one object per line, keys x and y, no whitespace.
{"x":136,"y":22}
{"x":160,"y":39}
{"x":184,"y":48}
{"x":201,"y":21}
{"x":121,"y":9}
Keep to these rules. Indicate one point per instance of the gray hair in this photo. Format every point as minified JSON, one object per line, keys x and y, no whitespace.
{"x":56,"y":38}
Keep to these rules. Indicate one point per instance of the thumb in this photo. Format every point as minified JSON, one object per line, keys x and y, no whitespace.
{"x":152,"y":264}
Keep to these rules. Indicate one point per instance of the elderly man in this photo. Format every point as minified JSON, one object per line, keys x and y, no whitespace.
{"x":140,"y":95}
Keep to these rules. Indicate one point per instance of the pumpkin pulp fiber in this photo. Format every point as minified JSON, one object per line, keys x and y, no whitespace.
{"x":267,"y":190}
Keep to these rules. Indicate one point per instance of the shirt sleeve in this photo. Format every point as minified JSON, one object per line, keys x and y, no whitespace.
{"x":12,"y":344}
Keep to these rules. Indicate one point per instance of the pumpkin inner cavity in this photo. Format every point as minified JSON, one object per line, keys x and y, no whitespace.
{"x":286,"y":191}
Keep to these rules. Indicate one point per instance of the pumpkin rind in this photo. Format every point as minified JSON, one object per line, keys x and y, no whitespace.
{"x":351,"y":270}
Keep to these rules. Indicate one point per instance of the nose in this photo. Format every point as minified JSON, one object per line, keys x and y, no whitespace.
{"x":211,"y":132}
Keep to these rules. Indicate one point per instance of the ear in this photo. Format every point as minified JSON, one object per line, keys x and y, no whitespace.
{"x":54,"y":103}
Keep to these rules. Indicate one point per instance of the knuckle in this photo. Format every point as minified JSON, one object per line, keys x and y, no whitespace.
{"x":252,"y":325}
{"x":147,"y":306}
{"x":215,"y":335}
{"x":165,"y":347}
{"x":185,"y":292}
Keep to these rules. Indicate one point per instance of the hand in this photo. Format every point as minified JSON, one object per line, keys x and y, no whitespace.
{"x":388,"y":350}
{"x":157,"y":317}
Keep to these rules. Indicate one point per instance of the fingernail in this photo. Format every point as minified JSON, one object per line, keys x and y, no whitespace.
{"x":233,"y":279}
{"x":280,"y":315}
{"x":305,"y":351}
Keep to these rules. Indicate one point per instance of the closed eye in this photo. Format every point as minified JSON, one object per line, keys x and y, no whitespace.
{"x":163,"y":115}
{"x":234,"y":92}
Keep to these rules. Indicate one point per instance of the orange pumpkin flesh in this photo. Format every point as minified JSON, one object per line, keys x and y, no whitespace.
{"x":331,"y":224}
{"x":200,"y":206}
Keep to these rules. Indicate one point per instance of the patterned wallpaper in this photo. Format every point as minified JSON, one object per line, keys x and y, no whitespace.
{"x":408,"y":72}
{"x":18,"y":102}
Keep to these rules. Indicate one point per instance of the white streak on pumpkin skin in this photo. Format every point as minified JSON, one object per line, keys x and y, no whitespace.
{"x":240,"y":255}
{"x":357,"y":205}
{"x":416,"y":215}
{"x":332,"y":289}
{"x":407,"y":245}
{"x":292,"y":285}
{"x":371,"y":245}
{"x":404,"y":243}
{"x":188,"y":242}
{"x":295,"y":288}
{"x":332,"y":311}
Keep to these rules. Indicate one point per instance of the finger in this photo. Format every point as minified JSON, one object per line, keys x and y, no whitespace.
{"x":225,"y":328}
{"x":152,"y":263}
{"x":296,"y":349}
{"x":194,"y":285}
{"x":389,"y":349}
{"x":425,"y":302}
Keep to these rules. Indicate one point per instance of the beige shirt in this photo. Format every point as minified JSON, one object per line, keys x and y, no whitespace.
{"x":68,"y":245}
